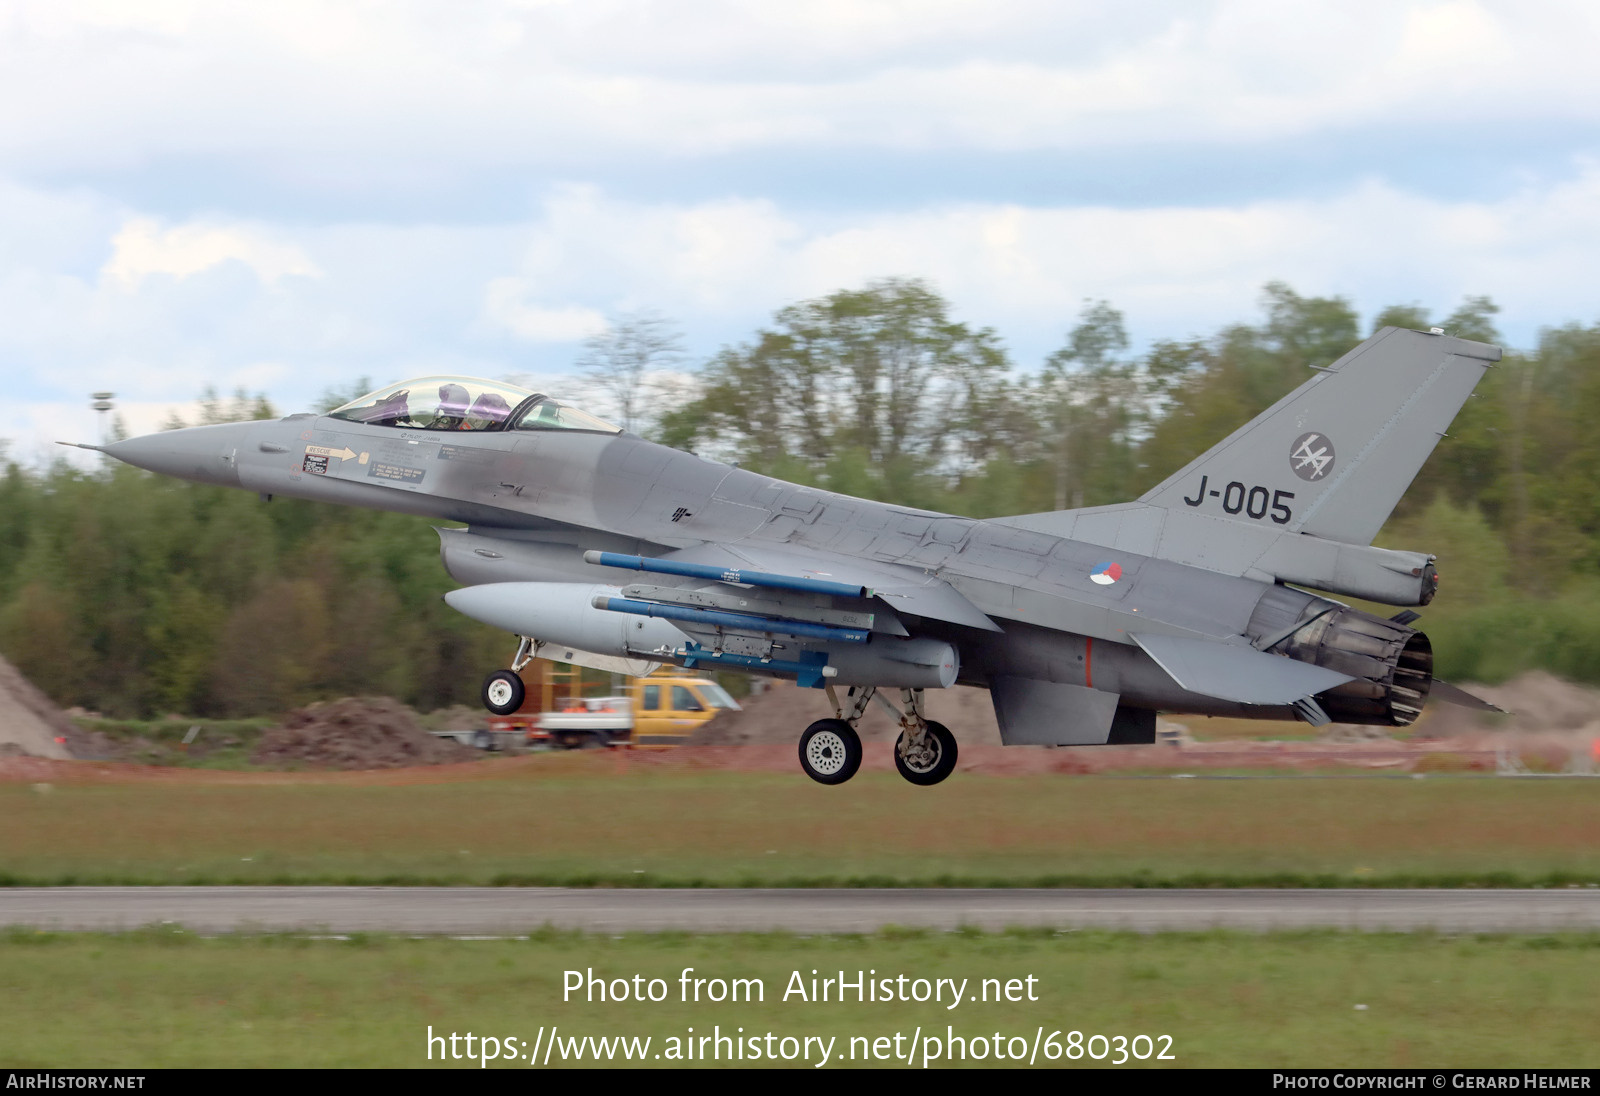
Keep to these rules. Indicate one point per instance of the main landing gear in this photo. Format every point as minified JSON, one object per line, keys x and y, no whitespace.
{"x":830,"y":749}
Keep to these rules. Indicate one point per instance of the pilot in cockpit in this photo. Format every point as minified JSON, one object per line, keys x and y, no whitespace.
{"x":453,"y":400}
{"x":466,"y":403}
{"x":490,"y":410}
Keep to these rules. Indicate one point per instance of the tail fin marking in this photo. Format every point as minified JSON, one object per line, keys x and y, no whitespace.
{"x":1334,"y":456}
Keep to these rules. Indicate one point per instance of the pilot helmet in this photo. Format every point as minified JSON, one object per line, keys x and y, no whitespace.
{"x":491,"y":407}
{"x":453,"y":400}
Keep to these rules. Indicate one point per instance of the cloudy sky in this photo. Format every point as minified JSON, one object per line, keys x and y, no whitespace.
{"x":287,"y":196}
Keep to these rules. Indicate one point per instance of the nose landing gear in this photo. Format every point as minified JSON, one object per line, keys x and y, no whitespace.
{"x":503,"y":690}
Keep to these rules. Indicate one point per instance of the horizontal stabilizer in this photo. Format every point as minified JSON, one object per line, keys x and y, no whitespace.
{"x":1455,"y":694}
{"x":1241,"y":674}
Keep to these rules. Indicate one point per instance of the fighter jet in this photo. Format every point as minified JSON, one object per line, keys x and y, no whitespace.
{"x":1213,"y":594}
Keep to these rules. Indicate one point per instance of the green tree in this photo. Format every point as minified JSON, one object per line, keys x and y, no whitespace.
{"x":1094,"y":408}
{"x":1214,"y":389}
{"x":619,"y":361}
{"x":882,"y":372}
{"x":1412,"y":316}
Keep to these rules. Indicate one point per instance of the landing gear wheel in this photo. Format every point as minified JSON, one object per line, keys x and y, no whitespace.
{"x":931,"y":764}
{"x":830,"y":751}
{"x":483,"y":740}
{"x":503,"y":692}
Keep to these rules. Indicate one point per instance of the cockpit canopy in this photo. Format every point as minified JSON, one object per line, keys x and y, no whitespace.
{"x":467,"y":403}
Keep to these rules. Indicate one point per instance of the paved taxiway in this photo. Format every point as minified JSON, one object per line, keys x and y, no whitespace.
{"x":510,"y":910}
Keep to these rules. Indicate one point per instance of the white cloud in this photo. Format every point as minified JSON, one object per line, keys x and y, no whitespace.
{"x":394,"y":301}
{"x":1025,"y":269}
{"x":700,"y":257}
{"x":158,"y":258}
{"x":348,"y":95}
{"x":506,"y":304}
{"x":143,"y":248}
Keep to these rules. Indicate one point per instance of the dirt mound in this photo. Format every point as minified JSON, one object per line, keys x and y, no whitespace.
{"x":369,"y":732}
{"x":457,"y":717}
{"x":30,"y":723}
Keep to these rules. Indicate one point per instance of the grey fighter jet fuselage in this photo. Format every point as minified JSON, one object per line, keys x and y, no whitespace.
{"x":599,"y":547}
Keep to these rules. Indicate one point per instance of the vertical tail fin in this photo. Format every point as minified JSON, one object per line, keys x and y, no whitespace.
{"x":1334,"y":456}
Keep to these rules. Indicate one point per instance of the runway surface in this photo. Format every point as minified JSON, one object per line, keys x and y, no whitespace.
{"x":492,"y":911}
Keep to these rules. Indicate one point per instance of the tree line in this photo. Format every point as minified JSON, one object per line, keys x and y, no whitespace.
{"x":138,"y":595}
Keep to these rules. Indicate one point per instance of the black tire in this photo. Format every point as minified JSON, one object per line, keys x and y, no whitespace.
{"x":936,"y":768}
{"x":830,"y":751}
{"x":503,"y":692}
{"x":483,"y":740}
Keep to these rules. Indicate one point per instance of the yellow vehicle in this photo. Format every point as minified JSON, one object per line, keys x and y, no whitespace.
{"x":653,"y":713}
{"x":670,"y":705}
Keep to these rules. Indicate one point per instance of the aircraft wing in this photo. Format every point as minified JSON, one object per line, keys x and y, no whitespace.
{"x":1238,"y":673}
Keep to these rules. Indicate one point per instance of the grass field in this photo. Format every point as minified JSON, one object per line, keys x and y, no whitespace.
{"x":167,"y":998}
{"x":579,"y":821}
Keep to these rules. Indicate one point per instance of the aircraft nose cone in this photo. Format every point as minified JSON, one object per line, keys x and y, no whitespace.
{"x":206,"y":454}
